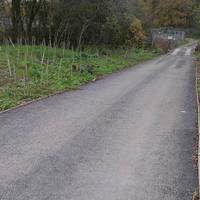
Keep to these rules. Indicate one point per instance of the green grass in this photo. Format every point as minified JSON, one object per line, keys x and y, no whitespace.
{"x":31,"y":72}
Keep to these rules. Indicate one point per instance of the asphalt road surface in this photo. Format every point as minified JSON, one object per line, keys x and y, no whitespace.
{"x":129,"y":136}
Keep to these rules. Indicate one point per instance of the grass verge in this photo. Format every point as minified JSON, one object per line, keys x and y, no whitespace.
{"x":31,"y":72}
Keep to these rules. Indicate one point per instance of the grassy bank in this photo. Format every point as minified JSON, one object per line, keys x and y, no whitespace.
{"x":31,"y":72}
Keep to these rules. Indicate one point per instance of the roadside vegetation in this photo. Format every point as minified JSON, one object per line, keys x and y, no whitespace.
{"x":196,"y":196}
{"x":30,"y":72}
{"x":198,"y":72}
{"x":198,"y":69}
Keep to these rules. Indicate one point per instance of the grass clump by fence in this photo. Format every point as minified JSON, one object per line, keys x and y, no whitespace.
{"x":31,"y":72}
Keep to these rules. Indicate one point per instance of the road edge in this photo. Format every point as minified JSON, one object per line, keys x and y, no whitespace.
{"x":196,"y":195}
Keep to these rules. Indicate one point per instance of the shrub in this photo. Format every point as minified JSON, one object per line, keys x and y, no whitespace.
{"x":161,"y":43}
{"x":197,"y":49}
{"x":137,"y":33}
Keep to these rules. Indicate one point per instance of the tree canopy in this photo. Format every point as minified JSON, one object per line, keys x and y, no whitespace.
{"x":93,"y":22}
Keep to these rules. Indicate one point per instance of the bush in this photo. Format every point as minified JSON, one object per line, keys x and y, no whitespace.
{"x":137,"y":34}
{"x":197,"y":49}
{"x":161,"y":43}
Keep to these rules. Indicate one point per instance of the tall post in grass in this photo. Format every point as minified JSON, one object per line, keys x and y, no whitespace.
{"x":73,"y":60}
{"x":8,"y":60}
{"x":47,"y":72}
{"x":26,"y":64}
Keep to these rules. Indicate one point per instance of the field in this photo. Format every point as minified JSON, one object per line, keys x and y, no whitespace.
{"x":32,"y":72}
